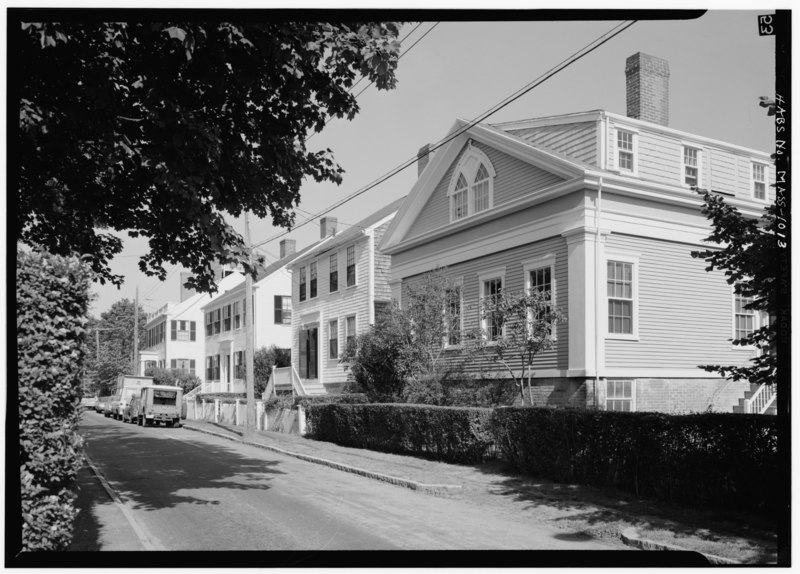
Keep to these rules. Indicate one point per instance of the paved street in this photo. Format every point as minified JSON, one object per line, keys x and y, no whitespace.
{"x":183,"y":490}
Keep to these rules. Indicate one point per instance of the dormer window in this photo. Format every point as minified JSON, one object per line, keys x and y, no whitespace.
{"x":472,"y":187}
{"x":691,"y":166}
{"x":759,"y":181}
{"x":625,"y":151}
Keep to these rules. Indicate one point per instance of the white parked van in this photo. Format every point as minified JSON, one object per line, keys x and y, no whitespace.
{"x":159,"y":403}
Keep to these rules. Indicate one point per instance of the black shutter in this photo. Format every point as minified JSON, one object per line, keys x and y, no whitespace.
{"x":278,"y":309}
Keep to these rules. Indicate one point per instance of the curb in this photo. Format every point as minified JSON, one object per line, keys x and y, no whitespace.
{"x":436,"y":489}
{"x":630,"y":536}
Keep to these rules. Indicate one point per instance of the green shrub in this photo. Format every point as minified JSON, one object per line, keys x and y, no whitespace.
{"x":709,"y":459}
{"x":450,"y":434}
{"x":52,"y":295}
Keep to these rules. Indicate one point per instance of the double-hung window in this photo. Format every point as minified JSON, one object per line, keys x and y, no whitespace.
{"x":209,"y":323}
{"x":626,"y":158}
{"x":452,"y":315}
{"x":691,"y":166}
{"x":334,"y":273}
{"x":491,"y":287}
{"x":621,"y":297}
{"x":351,"y":265}
{"x":759,"y":181}
{"x":350,"y":330}
{"x":619,"y":395}
{"x":333,"y":339}
{"x":540,"y":280}
{"x":217,"y":322}
{"x":283,"y":310}
{"x":226,"y":318}
{"x":303,"y":283}
{"x":744,"y":318}
{"x":313,"y":278}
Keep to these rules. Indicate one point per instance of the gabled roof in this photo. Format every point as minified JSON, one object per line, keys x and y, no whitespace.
{"x":280,"y":263}
{"x":355,"y":231}
{"x":494,"y":137}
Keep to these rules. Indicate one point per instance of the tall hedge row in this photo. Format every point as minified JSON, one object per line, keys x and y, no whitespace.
{"x":450,"y":434}
{"x":710,"y":459}
{"x":52,"y":295}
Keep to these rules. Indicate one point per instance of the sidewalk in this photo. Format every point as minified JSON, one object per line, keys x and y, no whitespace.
{"x":601,"y":513}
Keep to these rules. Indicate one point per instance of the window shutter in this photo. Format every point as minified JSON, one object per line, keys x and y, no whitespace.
{"x":192,"y":333}
{"x":278,"y":309}
{"x":303,"y":346}
{"x":191,"y":364}
{"x":173,"y":363}
{"x":174,"y":330}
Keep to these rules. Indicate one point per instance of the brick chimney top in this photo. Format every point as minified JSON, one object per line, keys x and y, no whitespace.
{"x":647,"y":88}
{"x":288,"y":247}
{"x":423,"y":157}
{"x":327,"y":226}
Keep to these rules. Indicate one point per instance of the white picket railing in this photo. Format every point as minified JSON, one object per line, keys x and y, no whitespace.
{"x":761,"y":400}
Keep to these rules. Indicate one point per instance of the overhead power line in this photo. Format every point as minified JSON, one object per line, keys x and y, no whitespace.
{"x":616,"y":30}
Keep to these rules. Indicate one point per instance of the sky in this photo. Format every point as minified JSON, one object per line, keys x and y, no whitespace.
{"x":719,"y":66}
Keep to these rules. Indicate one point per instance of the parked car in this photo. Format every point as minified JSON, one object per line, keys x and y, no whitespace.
{"x":99,"y":405}
{"x":131,"y":412}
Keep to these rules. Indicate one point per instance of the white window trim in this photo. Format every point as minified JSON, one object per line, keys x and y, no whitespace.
{"x":496,"y":273}
{"x":529,"y":265}
{"x":456,"y":283}
{"x":753,"y":181}
{"x":338,"y":338}
{"x":633,"y":393}
{"x":338,"y":275}
{"x":468,"y":165}
{"x":758,"y":319}
{"x":355,"y":267}
{"x":623,"y":258}
{"x":700,"y":157}
{"x":635,"y":134}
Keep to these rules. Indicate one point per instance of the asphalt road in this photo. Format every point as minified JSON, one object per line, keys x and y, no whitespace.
{"x":183,"y":490}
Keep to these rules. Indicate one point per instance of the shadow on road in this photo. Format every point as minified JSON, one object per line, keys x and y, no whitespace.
{"x":153,"y":471}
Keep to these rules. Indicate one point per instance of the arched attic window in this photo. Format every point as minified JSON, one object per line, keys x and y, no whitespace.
{"x":472,"y":185}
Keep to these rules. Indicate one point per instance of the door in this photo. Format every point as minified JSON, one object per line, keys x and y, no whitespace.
{"x":308,"y":353}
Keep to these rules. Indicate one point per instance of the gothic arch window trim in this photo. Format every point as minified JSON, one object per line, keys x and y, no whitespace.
{"x":471,"y":189}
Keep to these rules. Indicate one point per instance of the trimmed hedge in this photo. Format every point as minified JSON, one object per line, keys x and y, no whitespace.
{"x":450,"y":434}
{"x":52,"y":295}
{"x":346,"y":398}
{"x":710,"y":459}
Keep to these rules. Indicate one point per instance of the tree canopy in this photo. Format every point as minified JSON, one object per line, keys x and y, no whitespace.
{"x":162,"y":129}
{"x":747,"y":250}
{"x":116,"y":331}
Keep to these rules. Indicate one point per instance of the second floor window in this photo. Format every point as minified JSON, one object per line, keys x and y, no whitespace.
{"x":183,"y":331}
{"x":217,"y":321}
{"x":351,"y":265}
{"x":209,"y":323}
{"x":759,"y":181}
{"x":226,"y":318}
{"x":334,"y":275}
{"x":625,"y":159}
{"x":691,"y":166}
{"x":283,"y":310}
{"x":313,"y":274}
{"x":302,"y":283}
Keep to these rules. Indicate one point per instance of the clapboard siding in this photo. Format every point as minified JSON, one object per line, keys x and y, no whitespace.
{"x":383,"y":264}
{"x":685,"y":313}
{"x":511,"y":260}
{"x":660,"y":158}
{"x":345,"y":302}
{"x":514,"y":179}
{"x":576,"y":140}
{"x":723,"y":172}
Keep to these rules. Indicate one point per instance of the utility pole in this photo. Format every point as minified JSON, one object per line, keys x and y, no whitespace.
{"x":250,"y":411}
{"x":136,"y":334}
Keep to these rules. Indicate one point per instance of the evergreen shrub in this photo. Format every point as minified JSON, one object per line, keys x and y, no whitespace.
{"x":449,"y":434}
{"x":709,"y":459}
{"x":52,"y":295}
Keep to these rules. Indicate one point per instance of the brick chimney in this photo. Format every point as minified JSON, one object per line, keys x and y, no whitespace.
{"x":647,"y":88}
{"x":185,"y":291}
{"x":288,"y":247}
{"x":423,"y":157}
{"x":327,"y":226}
